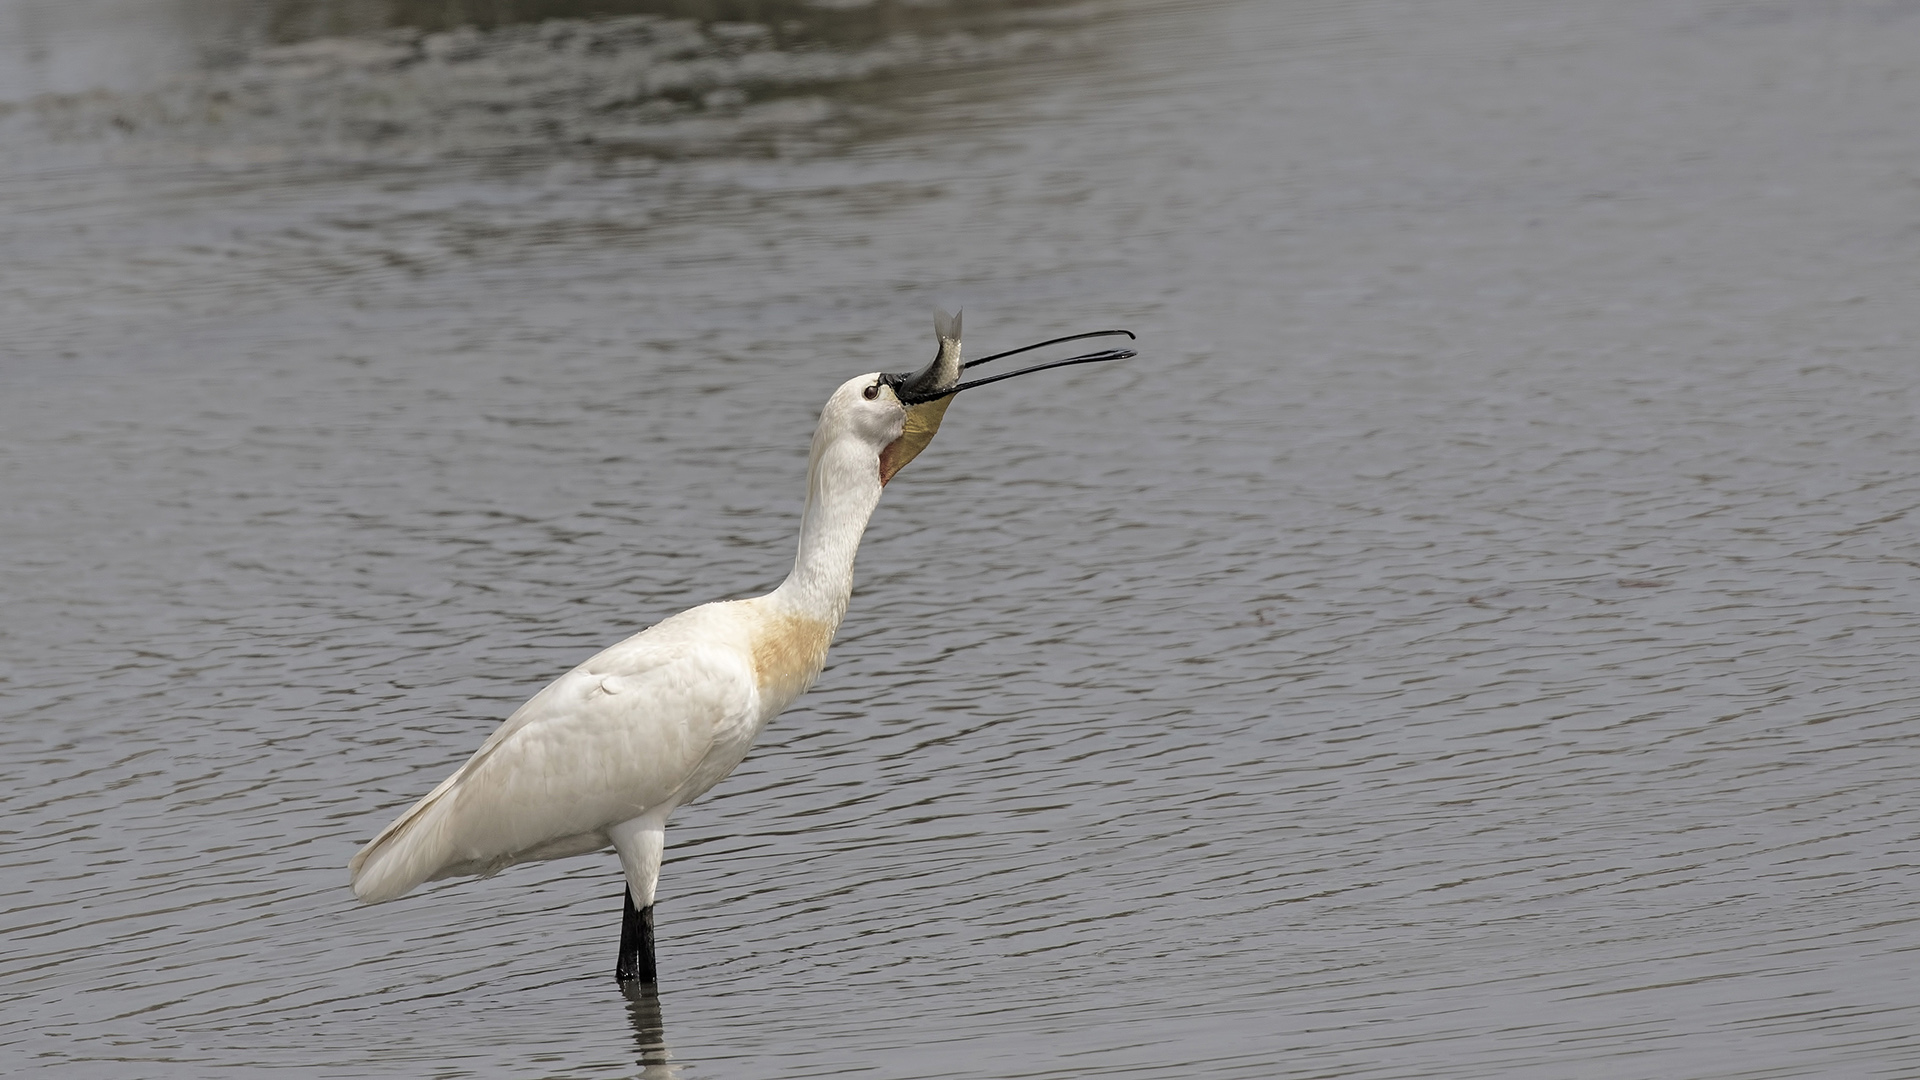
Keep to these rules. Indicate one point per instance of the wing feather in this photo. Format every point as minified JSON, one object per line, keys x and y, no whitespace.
{"x":626,"y":732}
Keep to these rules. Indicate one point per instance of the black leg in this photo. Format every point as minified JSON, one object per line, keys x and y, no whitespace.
{"x":636,"y":944}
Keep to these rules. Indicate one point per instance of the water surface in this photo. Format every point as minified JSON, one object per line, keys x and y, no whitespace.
{"x":1475,"y":638}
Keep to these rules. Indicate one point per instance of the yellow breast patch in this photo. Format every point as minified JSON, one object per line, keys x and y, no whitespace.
{"x":788,"y":652}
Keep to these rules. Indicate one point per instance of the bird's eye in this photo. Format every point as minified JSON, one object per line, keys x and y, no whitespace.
{"x":871,"y":392}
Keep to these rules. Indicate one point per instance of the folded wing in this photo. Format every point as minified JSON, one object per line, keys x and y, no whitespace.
{"x":634,"y":729}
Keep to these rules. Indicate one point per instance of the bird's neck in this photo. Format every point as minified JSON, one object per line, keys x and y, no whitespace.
{"x":843,"y":487}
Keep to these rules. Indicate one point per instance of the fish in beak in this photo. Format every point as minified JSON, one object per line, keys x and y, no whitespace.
{"x":921,"y":393}
{"x":927,"y":393}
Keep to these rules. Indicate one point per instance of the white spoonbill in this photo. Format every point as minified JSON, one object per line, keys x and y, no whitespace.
{"x":606,"y":753}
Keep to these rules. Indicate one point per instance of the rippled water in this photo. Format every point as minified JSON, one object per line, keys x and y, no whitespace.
{"x":1476,"y":638}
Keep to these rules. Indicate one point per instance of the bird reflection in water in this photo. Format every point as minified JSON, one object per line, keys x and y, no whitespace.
{"x":649,"y":1033}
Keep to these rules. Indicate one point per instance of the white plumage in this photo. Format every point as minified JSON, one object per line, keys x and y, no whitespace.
{"x":607,"y":752}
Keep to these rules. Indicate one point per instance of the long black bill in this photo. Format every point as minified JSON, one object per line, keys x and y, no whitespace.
{"x":1089,"y":358}
{"x":924,"y":388}
{"x":1044,"y":344}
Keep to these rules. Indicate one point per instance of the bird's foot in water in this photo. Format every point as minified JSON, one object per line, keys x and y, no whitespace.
{"x":636,"y":945}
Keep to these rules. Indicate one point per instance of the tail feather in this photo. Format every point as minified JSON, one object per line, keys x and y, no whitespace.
{"x":406,"y":853}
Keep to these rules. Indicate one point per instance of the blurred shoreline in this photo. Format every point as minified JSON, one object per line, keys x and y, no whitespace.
{"x":220,"y":85}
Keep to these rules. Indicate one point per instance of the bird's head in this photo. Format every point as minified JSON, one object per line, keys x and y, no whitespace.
{"x":901,"y":413}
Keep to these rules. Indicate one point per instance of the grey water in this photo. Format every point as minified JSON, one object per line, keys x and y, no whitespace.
{"x":1476,"y":637}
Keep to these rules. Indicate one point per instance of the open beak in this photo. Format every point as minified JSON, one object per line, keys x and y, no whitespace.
{"x":921,"y":393}
{"x":927,"y":392}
